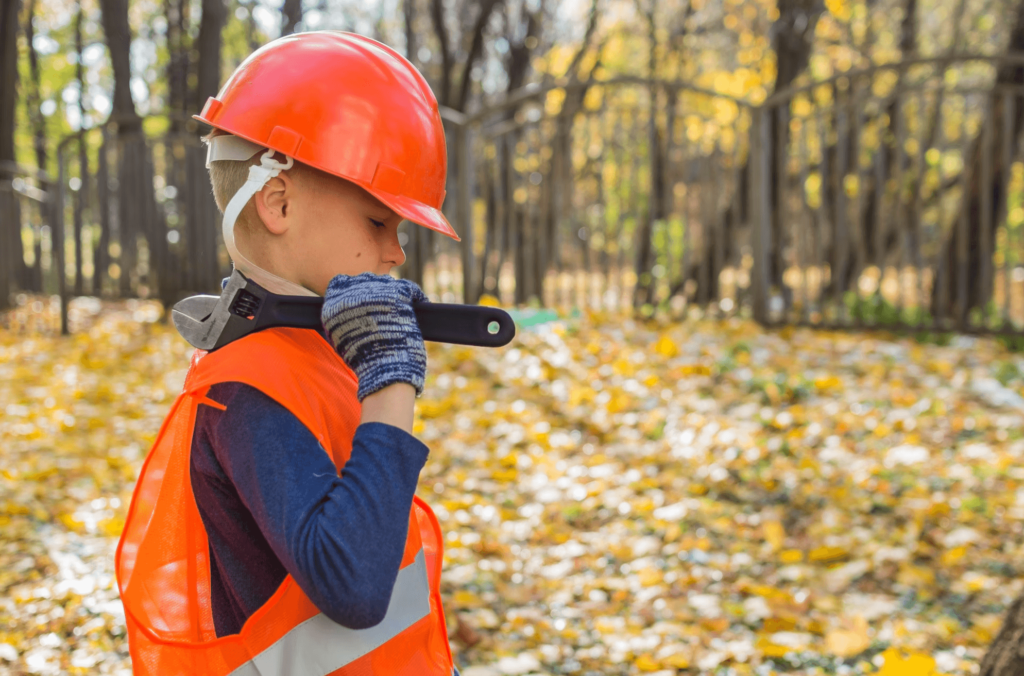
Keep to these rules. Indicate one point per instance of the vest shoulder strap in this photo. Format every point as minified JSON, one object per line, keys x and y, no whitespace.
{"x":298,"y":369}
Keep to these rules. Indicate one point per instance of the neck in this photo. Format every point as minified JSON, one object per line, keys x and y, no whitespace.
{"x":262,"y":270}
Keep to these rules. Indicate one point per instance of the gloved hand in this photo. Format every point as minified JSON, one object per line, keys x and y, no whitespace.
{"x":374,"y":329}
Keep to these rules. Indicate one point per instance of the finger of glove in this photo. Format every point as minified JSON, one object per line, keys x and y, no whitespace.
{"x":346,"y":291}
{"x":356,"y":310}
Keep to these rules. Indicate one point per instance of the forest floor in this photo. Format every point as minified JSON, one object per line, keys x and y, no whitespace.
{"x":617,"y":497}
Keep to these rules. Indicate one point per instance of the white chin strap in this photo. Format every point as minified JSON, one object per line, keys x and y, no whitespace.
{"x":235,"y":148}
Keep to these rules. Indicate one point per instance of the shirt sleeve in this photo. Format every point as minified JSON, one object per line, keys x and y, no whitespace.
{"x":341,"y":538}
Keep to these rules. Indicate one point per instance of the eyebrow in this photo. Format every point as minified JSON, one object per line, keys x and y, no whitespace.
{"x":378,"y":206}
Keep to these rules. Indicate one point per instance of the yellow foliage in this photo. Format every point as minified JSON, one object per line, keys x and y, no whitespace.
{"x":545,"y":478}
{"x":774,"y":534}
{"x":914,"y":664}
{"x":666,"y":347}
{"x":849,"y":641}
{"x":827,"y":554}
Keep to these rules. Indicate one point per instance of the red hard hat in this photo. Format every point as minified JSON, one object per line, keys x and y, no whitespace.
{"x":347,"y":105}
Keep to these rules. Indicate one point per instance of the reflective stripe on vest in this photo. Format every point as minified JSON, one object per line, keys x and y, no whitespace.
{"x":319,"y":645}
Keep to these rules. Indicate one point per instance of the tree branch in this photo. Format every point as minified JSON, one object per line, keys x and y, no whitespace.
{"x":291,"y":15}
{"x":588,"y":35}
{"x":476,"y":47}
{"x":437,"y":16}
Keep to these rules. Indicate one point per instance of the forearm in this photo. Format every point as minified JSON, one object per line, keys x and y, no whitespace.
{"x":392,"y":405}
{"x":346,"y":552}
{"x":342,"y":538}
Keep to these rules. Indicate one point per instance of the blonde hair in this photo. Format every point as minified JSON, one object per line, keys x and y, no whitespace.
{"x":228,"y":176}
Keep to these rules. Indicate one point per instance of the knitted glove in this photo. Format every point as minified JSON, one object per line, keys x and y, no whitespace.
{"x":374,"y":329}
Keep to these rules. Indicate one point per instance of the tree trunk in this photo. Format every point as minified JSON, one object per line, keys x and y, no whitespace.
{"x":291,"y":15}
{"x":102,"y":254}
{"x":793,"y":35}
{"x":203,"y":217}
{"x":642,"y":293}
{"x":135,"y":173}
{"x":10,"y":221}
{"x":963,"y":278}
{"x":873,"y":247}
{"x":1005,"y":657}
{"x":33,"y":99}
{"x":415,"y":261}
{"x":176,"y":14}
{"x":83,"y":156}
{"x":114,"y":14}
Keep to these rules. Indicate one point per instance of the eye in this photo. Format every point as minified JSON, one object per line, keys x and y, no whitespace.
{"x":379,"y":224}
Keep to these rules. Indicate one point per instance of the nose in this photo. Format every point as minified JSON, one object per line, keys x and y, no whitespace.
{"x":394,"y":255}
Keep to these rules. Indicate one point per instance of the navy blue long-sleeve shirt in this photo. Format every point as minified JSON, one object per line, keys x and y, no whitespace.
{"x":272,"y":504}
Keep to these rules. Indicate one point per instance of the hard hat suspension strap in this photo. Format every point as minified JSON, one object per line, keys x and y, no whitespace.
{"x":259,"y":175}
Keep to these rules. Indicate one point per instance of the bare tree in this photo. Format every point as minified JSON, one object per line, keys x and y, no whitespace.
{"x":136,"y":206}
{"x":33,"y":103}
{"x":83,"y":154}
{"x":541,"y":242}
{"x":468,"y":56}
{"x":202,"y":265}
{"x":178,"y":61}
{"x":792,"y":35}
{"x":522,"y":33}
{"x":119,"y":38}
{"x":962,"y":279}
{"x":643,"y":293}
{"x":10,"y":222}
{"x":291,"y":15}
{"x":871,"y":246}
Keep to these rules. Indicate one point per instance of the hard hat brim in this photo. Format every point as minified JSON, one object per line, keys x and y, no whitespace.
{"x":417,"y":212}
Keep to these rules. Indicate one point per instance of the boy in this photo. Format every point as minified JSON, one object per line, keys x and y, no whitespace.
{"x":274,"y":528}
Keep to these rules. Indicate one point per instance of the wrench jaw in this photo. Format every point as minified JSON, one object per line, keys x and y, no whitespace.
{"x":207,"y":322}
{"x":189,"y":314}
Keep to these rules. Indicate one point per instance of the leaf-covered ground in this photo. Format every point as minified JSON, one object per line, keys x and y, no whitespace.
{"x":618,"y":497}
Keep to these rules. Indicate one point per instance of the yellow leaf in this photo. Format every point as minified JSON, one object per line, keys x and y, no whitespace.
{"x":677,"y":660}
{"x":915,"y":664}
{"x":665,"y":347}
{"x":465,"y":599}
{"x":828,"y":383}
{"x":791,"y":556}
{"x":650,"y":577}
{"x":827,"y":554}
{"x":619,"y":402}
{"x":774,"y":534}
{"x":850,"y":641}
{"x":769,"y":649}
{"x":489,"y":300}
{"x":647,"y":663}
{"x":673,"y":532}
{"x":112,"y":527}
{"x":505,"y":475}
{"x":986,"y":627}
{"x":953,"y":556}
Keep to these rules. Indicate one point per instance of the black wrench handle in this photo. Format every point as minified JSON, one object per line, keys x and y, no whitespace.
{"x":439,"y":322}
{"x":464,"y":324}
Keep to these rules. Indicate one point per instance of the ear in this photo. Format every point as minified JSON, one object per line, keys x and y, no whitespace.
{"x":275,"y":203}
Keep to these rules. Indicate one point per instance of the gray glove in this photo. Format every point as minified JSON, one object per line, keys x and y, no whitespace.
{"x":373,"y":327}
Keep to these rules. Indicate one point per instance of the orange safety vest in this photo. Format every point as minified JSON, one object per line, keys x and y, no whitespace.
{"x":163,"y":560}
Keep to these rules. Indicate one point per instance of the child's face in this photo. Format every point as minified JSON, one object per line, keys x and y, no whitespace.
{"x":321,"y":229}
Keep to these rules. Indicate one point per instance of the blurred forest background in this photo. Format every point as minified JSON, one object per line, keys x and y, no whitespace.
{"x":844,"y":163}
